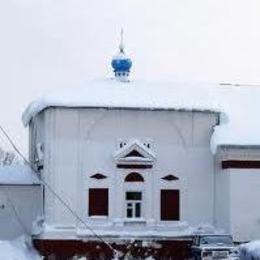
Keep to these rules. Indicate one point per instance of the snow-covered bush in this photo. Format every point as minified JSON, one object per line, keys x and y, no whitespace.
{"x":250,"y":251}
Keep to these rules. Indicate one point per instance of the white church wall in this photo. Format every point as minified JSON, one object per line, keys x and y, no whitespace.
{"x":222,"y":199}
{"x":61,"y":165}
{"x":81,"y":142}
{"x":19,"y":207}
{"x":244,"y":210}
{"x":237,"y":194}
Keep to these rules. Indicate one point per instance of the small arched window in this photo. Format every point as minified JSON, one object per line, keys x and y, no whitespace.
{"x":134,"y":177}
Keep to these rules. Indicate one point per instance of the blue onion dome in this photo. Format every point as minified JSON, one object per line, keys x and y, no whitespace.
{"x":121,"y":63}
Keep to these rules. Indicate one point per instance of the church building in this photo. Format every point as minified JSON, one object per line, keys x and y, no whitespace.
{"x":147,"y":161}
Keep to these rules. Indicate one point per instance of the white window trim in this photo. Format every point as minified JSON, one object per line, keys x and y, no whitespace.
{"x":134,"y":218}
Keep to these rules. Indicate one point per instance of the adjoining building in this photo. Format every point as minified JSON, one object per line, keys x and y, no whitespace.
{"x":21,"y":201}
{"x":149,"y":161}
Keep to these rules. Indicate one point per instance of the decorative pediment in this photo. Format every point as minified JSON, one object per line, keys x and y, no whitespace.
{"x":134,"y":155}
{"x":98,"y":176}
{"x":170,"y":177}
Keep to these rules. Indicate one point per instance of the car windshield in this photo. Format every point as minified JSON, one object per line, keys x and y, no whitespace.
{"x":216,"y":240}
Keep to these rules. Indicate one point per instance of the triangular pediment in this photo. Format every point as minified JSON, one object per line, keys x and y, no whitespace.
{"x":134,"y":153}
{"x":98,"y":176}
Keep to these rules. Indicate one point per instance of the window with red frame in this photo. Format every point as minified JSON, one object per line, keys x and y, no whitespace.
{"x":98,"y":202}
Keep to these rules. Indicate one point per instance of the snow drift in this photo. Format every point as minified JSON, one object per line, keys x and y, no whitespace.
{"x":19,"y":249}
{"x":250,"y":251}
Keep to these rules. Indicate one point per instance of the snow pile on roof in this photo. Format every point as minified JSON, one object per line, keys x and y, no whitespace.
{"x":239,"y":124}
{"x":239,"y":105}
{"x":250,"y":250}
{"x":17,"y":175}
{"x":134,"y":94}
{"x":19,"y":249}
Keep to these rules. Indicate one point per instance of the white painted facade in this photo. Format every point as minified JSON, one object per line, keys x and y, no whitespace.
{"x":238,"y":192}
{"x":74,"y":139}
{"x":81,"y":142}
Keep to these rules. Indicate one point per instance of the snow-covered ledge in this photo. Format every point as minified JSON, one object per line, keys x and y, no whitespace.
{"x":135,"y":220}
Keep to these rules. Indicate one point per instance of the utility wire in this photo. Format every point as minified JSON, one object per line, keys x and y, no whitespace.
{"x":62,"y":201}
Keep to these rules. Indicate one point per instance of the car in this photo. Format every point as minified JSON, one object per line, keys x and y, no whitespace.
{"x":205,"y":247}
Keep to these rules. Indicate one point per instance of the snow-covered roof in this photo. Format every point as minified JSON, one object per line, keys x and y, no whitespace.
{"x":239,"y":105}
{"x":17,"y":175}
{"x":133,"y":94}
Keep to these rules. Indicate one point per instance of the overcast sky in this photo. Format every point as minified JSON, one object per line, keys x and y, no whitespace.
{"x":48,"y":44}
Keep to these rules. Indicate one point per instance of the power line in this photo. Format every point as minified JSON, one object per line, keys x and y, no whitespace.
{"x":62,"y":201}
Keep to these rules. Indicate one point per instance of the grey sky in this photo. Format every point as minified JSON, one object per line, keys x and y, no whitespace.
{"x":48,"y":44}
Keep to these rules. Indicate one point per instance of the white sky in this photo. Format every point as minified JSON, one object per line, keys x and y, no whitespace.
{"x":47,"y":44}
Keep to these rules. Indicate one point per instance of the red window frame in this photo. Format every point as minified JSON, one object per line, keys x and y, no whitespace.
{"x":98,"y":202}
{"x":170,"y":205}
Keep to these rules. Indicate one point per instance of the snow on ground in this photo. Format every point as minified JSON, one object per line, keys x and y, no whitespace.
{"x":250,"y":251}
{"x":17,"y":174}
{"x":239,"y":105}
{"x":19,"y":249}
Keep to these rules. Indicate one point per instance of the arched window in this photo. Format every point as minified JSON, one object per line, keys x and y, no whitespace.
{"x":134,"y":177}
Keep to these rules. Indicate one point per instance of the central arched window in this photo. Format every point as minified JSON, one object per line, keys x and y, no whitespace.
{"x":134,"y":177}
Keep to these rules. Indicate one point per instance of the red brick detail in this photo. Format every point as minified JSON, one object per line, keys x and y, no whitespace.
{"x":64,"y":249}
{"x":239,"y":164}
